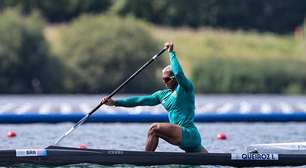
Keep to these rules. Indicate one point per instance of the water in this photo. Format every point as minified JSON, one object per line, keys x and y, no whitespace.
{"x":132,"y":136}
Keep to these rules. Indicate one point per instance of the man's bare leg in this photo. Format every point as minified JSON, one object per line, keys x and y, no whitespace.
{"x":152,"y":139}
{"x":169,"y":132}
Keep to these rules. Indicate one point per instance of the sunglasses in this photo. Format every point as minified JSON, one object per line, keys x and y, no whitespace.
{"x":167,"y":79}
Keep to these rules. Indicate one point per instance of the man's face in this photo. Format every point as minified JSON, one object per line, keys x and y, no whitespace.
{"x":169,"y":80}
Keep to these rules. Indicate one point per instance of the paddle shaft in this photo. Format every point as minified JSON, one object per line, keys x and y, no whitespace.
{"x":110,"y":95}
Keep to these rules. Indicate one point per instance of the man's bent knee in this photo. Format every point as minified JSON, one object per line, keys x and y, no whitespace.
{"x":153,"y":129}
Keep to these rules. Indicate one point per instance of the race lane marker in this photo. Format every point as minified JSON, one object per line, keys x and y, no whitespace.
{"x":85,"y":108}
{"x":65,"y":108}
{"x":23,"y":108}
{"x":6,"y":107}
{"x":245,"y":107}
{"x":44,"y":109}
{"x":225,"y":108}
{"x":266,"y":108}
{"x":286,"y":108}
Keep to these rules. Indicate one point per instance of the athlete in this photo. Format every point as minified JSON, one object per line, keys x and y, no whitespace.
{"x":179,"y":100}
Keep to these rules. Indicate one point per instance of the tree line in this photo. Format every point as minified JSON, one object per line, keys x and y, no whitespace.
{"x":96,"y":54}
{"x":28,"y":64}
{"x":262,"y":15}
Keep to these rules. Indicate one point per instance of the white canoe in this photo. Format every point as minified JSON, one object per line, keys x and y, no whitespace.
{"x":280,"y":148}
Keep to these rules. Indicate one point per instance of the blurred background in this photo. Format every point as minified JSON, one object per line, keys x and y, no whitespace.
{"x":246,"y":59}
{"x":91,"y":46}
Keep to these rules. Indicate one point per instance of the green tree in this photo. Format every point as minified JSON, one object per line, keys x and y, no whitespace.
{"x":101,"y":51}
{"x":59,"y":10}
{"x":262,"y":15}
{"x":25,"y":63}
{"x":166,"y":12}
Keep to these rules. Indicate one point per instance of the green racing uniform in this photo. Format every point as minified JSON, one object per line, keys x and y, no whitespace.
{"x":180,"y":104}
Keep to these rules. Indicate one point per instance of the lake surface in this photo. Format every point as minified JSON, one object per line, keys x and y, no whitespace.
{"x":132,"y":136}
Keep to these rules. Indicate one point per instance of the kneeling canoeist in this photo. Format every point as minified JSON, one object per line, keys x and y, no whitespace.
{"x":178,"y":100}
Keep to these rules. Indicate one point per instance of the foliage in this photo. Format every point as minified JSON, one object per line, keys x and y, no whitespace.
{"x":277,"y":76}
{"x":203,"y":43}
{"x":219,"y":61}
{"x":25,"y":62}
{"x":101,"y":51}
{"x":262,"y":15}
{"x":59,"y":10}
{"x":239,"y":62}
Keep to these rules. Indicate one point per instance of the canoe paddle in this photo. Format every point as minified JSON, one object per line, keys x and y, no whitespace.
{"x":79,"y":123}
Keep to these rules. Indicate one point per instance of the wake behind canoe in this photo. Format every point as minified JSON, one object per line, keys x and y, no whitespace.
{"x":56,"y":156}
